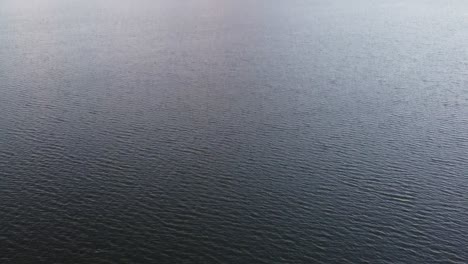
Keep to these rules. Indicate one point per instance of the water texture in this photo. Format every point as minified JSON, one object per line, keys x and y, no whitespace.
{"x":233,"y":131}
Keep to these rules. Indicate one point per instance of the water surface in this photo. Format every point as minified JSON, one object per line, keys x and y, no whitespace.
{"x":233,"y":131}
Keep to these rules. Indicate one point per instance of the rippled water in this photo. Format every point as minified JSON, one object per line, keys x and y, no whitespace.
{"x":233,"y":131}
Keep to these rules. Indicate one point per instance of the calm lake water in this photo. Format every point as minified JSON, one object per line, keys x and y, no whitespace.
{"x":233,"y":131}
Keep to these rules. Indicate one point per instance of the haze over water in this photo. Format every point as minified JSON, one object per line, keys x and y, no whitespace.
{"x":233,"y":131}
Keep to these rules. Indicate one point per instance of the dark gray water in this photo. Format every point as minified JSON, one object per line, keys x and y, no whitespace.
{"x":233,"y":131}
